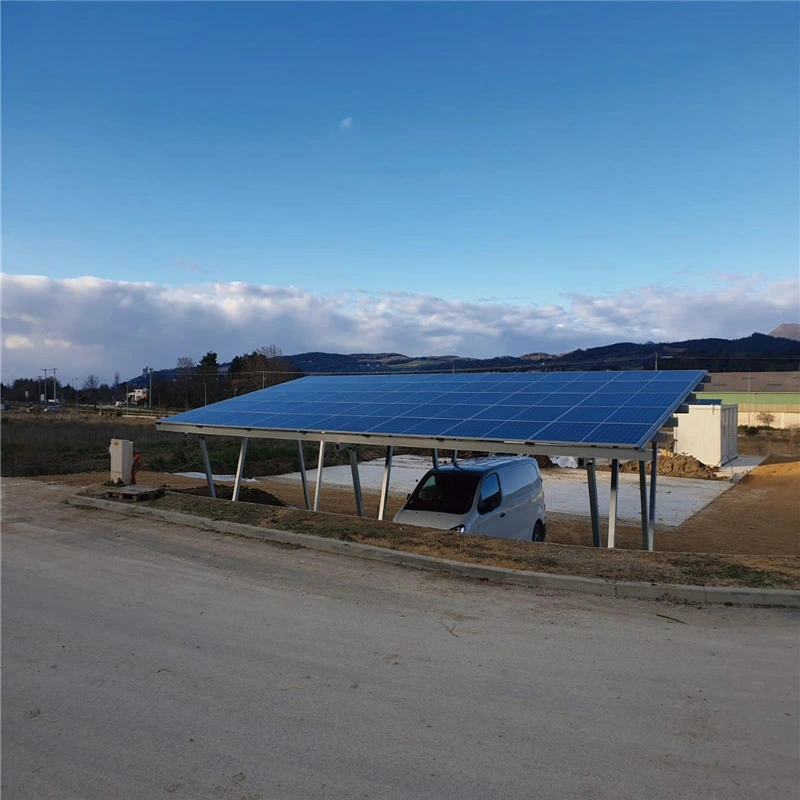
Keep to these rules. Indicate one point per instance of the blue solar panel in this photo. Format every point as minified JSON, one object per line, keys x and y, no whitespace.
{"x":618,"y":434}
{"x":642,"y":414}
{"x":517,"y":431}
{"x":540,"y":414}
{"x":596,"y":414}
{"x":605,"y":408}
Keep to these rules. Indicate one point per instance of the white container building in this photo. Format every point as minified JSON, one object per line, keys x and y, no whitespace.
{"x":709,"y":432}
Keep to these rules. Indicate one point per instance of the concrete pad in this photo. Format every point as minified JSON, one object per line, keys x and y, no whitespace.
{"x":735,"y":470}
{"x":565,"y":490}
{"x":217,"y":478}
{"x":677,"y":499}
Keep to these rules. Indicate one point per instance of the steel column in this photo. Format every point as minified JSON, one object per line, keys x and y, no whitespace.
{"x":320,"y":464}
{"x":435,"y":458}
{"x":356,"y":482}
{"x":591,"y":477}
{"x":612,"y":502}
{"x":387,"y":472}
{"x":651,"y":520}
{"x":237,"y":484}
{"x":643,"y":501}
{"x":207,"y":464}
{"x":303,"y":476}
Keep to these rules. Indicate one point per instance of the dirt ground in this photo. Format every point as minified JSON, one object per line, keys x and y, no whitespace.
{"x":758,"y":516}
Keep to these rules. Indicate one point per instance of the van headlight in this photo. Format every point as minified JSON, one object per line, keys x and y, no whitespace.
{"x":459,"y":529}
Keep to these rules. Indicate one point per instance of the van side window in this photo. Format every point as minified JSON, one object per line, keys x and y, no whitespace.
{"x":490,"y":494}
{"x":516,"y":479}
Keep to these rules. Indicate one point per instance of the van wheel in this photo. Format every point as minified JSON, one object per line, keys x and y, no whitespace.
{"x":538,"y":532}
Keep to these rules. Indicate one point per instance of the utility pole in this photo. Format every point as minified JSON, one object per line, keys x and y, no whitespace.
{"x":149,"y":370}
{"x":55,"y":385}
{"x":45,"y":370}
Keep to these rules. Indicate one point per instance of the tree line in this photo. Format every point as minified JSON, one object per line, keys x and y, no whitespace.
{"x":189,"y":385}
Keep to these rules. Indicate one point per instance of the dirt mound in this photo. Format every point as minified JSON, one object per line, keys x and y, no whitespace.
{"x":777,"y":469}
{"x":676,"y":466}
{"x":247,"y":494}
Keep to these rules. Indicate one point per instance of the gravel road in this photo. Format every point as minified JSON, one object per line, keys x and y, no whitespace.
{"x":141,"y":660}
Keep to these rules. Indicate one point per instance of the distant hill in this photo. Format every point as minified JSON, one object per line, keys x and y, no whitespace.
{"x":397,"y":362}
{"x":755,"y":353}
{"x":789,"y":330}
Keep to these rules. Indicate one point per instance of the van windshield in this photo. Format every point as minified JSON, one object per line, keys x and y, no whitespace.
{"x":446,"y":492}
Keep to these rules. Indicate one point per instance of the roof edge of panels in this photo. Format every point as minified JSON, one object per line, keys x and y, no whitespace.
{"x":662,"y":421}
{"x":623,"y":453}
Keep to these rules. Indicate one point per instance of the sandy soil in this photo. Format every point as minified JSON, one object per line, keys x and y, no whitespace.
{"x":760,"y":515}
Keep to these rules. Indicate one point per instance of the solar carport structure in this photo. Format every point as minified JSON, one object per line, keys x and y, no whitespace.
{"x":588,"y":415}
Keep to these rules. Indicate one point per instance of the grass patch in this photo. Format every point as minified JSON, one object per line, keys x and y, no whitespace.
{"x":74,"y":442}
{"x":750,"y":576}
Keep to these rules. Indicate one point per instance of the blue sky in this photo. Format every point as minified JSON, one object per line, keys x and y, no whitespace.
{"x":503,"y":154}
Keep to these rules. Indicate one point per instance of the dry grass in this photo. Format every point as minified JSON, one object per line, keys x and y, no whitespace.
{"x":627,"y":565}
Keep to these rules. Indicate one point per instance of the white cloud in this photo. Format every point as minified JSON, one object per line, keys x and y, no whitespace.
{"x":346,"y":123}
{"x":15,"y":342}
{"x":88,"y":325}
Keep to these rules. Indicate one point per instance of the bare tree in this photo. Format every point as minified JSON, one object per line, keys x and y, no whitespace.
{"x":91,"y":385}
{"x":185,"y":364}
{"x":766,"y":418}
{"x":265,"y":366}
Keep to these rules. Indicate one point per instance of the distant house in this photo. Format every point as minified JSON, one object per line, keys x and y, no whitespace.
{"x":136,"y":395}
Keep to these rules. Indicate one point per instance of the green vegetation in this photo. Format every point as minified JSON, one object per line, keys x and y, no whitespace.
{"x":786,"y":400}
{"x":74,"y":442}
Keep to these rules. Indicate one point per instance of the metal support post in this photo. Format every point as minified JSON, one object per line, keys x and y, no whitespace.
{"x":387,"y":472}
{"x":356,"y":482}
{"x":591,"y":476}
{"x":237,"y":484}
{"x":612,"y":502}
{"x":207,"y":464}
{"x":643,"y":501}
{"x":651,"y":519}
{"x":435,"y":458}
{"x":455,"y":457}
{"x":303,"y":476}
{"x":320,"y":464}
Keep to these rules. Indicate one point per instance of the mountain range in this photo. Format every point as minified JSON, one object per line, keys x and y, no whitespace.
{"x":755,"y":353}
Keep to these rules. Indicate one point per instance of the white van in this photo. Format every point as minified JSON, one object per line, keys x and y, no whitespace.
{"x":494,"y":496}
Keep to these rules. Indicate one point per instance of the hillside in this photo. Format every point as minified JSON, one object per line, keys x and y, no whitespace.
{"x":756,"y":353}
{"x":789,"y":330}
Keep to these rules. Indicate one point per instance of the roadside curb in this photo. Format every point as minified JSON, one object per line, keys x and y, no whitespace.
{"x":537,"y":580}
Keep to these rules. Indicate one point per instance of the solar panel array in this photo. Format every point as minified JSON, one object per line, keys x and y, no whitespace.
{"x":592,"y":408}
